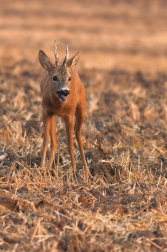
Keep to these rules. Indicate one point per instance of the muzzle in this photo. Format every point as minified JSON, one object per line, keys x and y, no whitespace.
{"x":62,"y":94}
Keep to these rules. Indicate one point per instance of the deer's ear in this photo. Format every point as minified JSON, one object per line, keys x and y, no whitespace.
{"x":44,"y":60}
{"x":73,"y":61}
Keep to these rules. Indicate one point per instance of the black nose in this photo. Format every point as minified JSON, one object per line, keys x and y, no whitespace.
{"x":64,"y":92}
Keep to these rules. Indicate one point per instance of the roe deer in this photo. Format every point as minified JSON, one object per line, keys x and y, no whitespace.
{"x":63,"y":95}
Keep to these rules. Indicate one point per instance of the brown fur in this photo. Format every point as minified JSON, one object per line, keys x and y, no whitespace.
{"x":53,"y":107}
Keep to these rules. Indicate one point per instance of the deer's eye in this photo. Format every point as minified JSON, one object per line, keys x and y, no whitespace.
{"x":55,"y":78}
{"x":69,"y":79}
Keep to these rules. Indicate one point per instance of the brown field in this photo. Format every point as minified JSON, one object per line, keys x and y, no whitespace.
{"x":123,"y":65}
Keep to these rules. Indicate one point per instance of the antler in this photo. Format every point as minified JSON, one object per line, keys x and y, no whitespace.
{"x":56,"y":54}
{"x":66,"y":57}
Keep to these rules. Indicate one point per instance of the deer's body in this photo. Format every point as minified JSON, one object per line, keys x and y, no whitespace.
{"x":63,"y":95}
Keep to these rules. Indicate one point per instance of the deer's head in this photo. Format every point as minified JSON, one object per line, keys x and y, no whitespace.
{"x":59,"y":74}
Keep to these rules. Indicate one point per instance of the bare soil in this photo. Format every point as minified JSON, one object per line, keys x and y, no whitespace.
{"x":123,"y":66}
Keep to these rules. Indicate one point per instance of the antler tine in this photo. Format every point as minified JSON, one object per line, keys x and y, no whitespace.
{"x":56,"y":54}
{"x":67,"y":54}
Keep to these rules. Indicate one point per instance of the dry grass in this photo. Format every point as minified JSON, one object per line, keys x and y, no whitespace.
{"x":123,"y":208}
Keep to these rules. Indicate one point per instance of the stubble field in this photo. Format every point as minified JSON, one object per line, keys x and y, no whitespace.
{"x":123,"y":66}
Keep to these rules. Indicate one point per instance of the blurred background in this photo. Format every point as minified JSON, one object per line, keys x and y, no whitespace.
{"x":111,"y":34}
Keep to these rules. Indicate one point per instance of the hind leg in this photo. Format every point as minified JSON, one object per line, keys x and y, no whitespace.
{"x":69,"y":123}
{"x":80,"y":115}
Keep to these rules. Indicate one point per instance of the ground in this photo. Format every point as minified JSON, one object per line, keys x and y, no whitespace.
{"x":123,"y":65}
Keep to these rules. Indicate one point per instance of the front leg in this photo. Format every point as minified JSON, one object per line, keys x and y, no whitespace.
{"x":53,"y":138}
{"x":46,"y":125}
{"x":69,"y":123}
